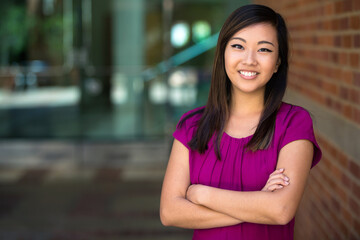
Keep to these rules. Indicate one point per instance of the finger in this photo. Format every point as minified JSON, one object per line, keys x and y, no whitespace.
{"x":277,"y":171}
{"x":281,"y":175}
{"x":274,"y":187}
{"x":278,"y":181}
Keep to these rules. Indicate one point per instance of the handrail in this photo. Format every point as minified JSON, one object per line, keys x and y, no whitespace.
{"x":181,"y":57}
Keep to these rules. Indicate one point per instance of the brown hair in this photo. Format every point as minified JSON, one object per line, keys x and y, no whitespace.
{"x":216,"y":112}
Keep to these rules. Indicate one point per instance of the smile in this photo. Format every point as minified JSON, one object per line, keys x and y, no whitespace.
{"x":248,"y":74}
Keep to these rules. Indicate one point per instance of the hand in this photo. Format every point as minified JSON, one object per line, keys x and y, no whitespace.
{"x":194,"y":192}
{"x":277,"y":180}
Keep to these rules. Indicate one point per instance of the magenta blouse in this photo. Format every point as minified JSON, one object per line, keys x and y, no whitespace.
{"x":242,"y":170}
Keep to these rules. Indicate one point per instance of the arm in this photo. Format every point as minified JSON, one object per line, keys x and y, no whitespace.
{"x":175,"y":209}
{"x":277,"y":207}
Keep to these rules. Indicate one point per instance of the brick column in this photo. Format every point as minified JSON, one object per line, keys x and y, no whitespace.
{"x":324,"y":77}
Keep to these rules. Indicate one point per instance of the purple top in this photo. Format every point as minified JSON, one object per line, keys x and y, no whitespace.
{"x":242,"y":170}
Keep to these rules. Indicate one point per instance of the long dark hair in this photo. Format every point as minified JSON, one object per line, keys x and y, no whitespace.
{"x":217,"y":110}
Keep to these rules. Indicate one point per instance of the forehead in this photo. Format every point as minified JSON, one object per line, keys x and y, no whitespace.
{"x":258,"y":32}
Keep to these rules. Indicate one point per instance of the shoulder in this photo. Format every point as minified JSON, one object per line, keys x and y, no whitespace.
{"x":289,"y":112}
{"x":191,"y":117}
{"x":293,"y":119}
{"x":295,"y":123}
{"x":187,"y":125}
{"x":194,"y":111}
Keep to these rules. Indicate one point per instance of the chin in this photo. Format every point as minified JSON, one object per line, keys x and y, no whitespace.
{"x":250,"y":90}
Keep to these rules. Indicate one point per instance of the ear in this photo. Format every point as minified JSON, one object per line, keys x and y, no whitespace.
{"x":277,"y":65}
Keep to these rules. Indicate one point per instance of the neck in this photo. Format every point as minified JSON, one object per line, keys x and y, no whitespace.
{"x":243,"y":104}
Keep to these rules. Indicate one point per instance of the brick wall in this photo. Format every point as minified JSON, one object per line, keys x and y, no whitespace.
{"x":325,"y":70}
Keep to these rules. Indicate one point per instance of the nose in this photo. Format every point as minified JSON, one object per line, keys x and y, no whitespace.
{"x":250,"y":58}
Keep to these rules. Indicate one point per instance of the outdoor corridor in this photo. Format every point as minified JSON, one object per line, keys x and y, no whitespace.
{"x":52,"y":195}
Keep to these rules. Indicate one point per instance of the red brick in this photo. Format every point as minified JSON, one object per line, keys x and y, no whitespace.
{"x":342,"y":159}
{"x":343,"y":58}
{"x":344,"y":93}
{"x":333,"y":185}
{"x":344,"y":23}
{"x":339,"y":7}
{"x":347,"y":111}
{"x":341,"y":193}
{"x":347,"y":5}
{"x":356,"y":79}
{"x":327,"y":25}
{"x":343,"y":229}
{"x":346,"y":215}
{"x":356,"y":115}
{"x":338,"y":106}
{"x":356,"y":190}
{"x":347,"y":76}
{"x":354,"y":206}
{"x":353,"y":236}
{"x":356,"y":227}
{"x":354,"y":168}
{"x":338,"y":228}
{"x":354,"y":60}
{"x":329,"y":102}
{"x":356,"y":41}
{"x":346,"y":41}
{"x":335,"y":171}
{"x":355,"y":5}
{"x":334,"y":210}
{"x":355,"y":96}
{"x":329,"y":9}
{"x":328,"y":41}
{"x":330,"y":87}
{"x":334,"y":56}
{"x":355,"y":22}
{"x":337,"y":41}
{"x":346,"y":181}
{"x":331,"y":149}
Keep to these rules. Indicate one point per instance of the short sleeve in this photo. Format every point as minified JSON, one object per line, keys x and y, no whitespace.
{"x":184,"y":132}
{"x":299,"y":125}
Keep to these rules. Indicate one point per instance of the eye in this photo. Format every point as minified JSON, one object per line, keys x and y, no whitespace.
{"x":237,"y":46}
{"x":264,"y":50}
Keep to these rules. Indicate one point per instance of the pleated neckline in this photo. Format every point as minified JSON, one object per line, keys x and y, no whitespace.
{"x":242,"y":139}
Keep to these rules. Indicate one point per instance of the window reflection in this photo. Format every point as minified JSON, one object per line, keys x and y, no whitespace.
{"x":104,"y":69}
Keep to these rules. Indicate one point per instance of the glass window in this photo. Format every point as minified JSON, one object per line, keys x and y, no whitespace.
{"x":110,"y":69}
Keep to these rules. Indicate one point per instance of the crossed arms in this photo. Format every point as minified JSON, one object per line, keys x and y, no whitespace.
{"x":199,"y":207}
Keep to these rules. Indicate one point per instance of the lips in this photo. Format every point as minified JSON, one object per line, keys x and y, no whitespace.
{"x":248,"y":74}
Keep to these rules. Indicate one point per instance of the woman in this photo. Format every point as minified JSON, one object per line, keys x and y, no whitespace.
{"x":231,"y":161}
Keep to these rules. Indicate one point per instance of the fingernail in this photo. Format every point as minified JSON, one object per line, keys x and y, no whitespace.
{"x":286,"y":178}
{"x":287,"y":183}
{"x":281,"y":169}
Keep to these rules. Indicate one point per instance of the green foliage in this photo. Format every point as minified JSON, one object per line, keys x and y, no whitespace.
{"x":19,"y":30}
{"x":14,"y":29}
{"x":52,"y":33}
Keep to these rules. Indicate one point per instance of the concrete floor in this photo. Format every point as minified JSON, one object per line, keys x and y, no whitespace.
{"x":72,"y":190}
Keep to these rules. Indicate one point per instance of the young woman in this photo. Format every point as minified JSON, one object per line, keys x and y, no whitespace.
{"x":231,"y":163}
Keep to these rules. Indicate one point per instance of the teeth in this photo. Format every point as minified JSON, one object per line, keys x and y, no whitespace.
{"x":248,"y":74}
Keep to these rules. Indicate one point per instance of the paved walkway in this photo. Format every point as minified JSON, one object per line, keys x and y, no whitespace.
{"x":60,"y":190}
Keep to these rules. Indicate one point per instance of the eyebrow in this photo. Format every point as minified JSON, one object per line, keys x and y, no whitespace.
{"x":260,"y":42}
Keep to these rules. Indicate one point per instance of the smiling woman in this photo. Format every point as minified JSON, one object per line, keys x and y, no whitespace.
{"x":232,"y":161}
{"x":249,"y":57}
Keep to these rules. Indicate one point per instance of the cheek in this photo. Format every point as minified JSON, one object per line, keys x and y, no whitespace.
{"x":227,"y":62}
{"x":230,"y":61}
{"x":269,"y":64}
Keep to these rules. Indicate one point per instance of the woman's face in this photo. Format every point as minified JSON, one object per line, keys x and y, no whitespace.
{"x":251,"y":58}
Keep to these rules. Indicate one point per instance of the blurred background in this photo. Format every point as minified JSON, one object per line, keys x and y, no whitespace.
{"x":91,"y":91}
